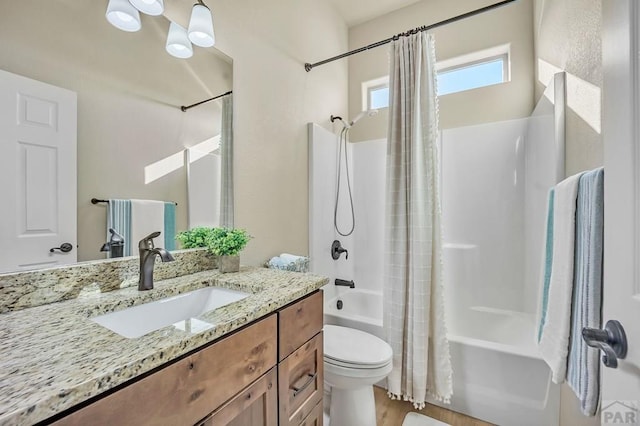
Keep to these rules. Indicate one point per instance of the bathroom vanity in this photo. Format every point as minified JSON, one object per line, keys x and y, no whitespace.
{"x":231,"y":381}
{"x":257,"y":361}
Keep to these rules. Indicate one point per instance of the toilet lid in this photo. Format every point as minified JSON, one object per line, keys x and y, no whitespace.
{"x":351,"y":346}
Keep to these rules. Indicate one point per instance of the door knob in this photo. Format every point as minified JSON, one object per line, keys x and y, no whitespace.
{"x":64,"y":248}
{"x":612,"y":341}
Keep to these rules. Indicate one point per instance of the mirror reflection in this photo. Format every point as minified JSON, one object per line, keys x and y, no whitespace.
{"x":131,"y":134}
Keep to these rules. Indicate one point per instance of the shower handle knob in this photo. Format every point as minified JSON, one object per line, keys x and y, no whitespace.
{"x":612,"y":341}
{"x":337,"y":250}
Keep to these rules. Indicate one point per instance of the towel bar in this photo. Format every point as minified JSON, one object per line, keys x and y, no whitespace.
{"x":97,"y":200}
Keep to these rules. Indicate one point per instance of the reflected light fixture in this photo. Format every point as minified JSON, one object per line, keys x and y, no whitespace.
{"x":125,"y":15}
{"x":178,"y":43}
{"x":150,"y":7}
{"x":201,"y":26}
{"x":122,"y":15}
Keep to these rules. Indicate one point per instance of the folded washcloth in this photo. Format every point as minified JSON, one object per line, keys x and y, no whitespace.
{"x":289,"y":262}
{"x":290,"y":258}
{"x":276,"y":262}
{"x":554,"y":343}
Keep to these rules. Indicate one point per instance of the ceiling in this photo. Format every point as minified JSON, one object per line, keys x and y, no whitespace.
{"x":356,"y":12}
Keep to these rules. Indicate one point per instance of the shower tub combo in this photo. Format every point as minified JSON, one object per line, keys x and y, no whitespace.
{"x":497,"y":374}
{"x":495,"y":179}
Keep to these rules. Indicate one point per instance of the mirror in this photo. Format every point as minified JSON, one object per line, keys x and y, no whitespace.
{"x":131,"y":133}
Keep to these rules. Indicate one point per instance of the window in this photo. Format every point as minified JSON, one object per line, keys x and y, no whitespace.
{"x":471,"y":71}
{"x":379,"y":97}
{"x":474,"y":70}
{"x":375,"y":94}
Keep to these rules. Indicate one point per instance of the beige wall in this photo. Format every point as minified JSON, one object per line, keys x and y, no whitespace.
{"x":129,"y":91}
{"x":510,"y":24}
{"x":568,"y":37}
{"x":274,"y":99}
{"x":126,"y":124}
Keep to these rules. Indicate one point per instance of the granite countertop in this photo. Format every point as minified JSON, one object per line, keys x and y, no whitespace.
{"x":53,"y":356}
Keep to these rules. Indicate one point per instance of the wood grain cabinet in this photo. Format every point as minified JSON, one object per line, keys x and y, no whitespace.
{"x":256,"y":405}
{"x":300,"y":371}
{"x":268,"y":373}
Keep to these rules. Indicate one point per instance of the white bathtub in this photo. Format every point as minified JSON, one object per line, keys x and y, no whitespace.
{"x":498,"y":375}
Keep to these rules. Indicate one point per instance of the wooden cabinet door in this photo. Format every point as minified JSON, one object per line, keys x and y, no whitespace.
{"x":191,"y":388}
{"x":300,"y":382}
{"x":299,"y":322}
{"x":315,"y":417}
{"x":257,"y":405}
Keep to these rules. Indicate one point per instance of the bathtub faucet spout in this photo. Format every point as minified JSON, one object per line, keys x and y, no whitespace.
{"x":345,"y":283}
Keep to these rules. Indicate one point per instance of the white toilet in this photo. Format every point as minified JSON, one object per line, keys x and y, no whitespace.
{"x":353,"y":362}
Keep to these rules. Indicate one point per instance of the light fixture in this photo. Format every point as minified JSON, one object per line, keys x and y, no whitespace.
{"x":201,"y":26}
{"x":150,"y":7}
{"x":125,"y":15}
{"x":122,"y":15}
{"x":178,"y":43}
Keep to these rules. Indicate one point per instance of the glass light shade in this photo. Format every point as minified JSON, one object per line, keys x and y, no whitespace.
{"x":122,"y":15}
{"x":201,"y":26}
{"x":178,"y":43}
{"x":150,"y":7}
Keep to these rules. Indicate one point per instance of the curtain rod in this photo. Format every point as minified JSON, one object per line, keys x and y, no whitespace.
{"x":185,"y":108}
{"x":308,"y":67}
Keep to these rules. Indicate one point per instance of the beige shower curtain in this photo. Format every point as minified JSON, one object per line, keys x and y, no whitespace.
{"x":226,"y":153}
{"x":413,"y":294}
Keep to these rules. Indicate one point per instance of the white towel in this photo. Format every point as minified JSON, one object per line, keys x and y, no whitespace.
{"x":290,"y":258}
{"x":554,"y":344}
{"x":147,"y":216}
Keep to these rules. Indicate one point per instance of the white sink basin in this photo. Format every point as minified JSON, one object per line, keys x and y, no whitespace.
{"x":178,"y":311}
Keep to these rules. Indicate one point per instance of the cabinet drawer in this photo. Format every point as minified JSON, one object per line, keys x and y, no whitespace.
{"x":188,"y":390}
{"x":298,"y":323}
{"x":255,"y":406}
{"x":300,"y":382}
{"x":315,"y":417}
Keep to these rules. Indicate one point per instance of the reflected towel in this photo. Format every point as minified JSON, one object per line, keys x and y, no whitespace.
{"x":147,"y":216}
{"x":170,"y":226}
{"x":583,"y":368}
{"x":554,"y":343}
{"x":119,"y":218}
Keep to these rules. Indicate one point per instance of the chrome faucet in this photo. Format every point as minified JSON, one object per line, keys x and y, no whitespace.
{"x":148,"y":259}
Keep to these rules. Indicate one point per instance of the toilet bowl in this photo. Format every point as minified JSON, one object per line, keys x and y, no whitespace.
{"x":353,"y":362}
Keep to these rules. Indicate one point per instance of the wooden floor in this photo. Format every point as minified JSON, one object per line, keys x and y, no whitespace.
{"x":391,"y":413}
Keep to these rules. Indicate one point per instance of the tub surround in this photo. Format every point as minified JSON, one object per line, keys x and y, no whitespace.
{"x":54,"y":357}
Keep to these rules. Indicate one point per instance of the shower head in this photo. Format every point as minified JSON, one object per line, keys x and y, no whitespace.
{"x":369,"y":113}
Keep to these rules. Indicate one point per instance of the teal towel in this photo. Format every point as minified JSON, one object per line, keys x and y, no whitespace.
{"x":548,"y":263}
{"x":169,"y":226}
{"x":119,"y":218}
{"x":583,"y":367}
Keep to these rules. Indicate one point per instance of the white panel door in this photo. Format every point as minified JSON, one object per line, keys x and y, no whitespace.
{"x":38,"y":127}
{"x":621,"y":134}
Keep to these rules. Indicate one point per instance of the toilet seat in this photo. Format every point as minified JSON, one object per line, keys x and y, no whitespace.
{"x":344,"y":364}
{"x":350,"y":348}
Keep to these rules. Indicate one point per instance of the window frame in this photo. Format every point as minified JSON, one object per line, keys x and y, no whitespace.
{"x":478,"y":57}
{"x":368,"y":87}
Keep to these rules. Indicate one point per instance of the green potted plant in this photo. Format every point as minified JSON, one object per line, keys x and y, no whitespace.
{"x":195,"y":237}
{"x":227,"y":243}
